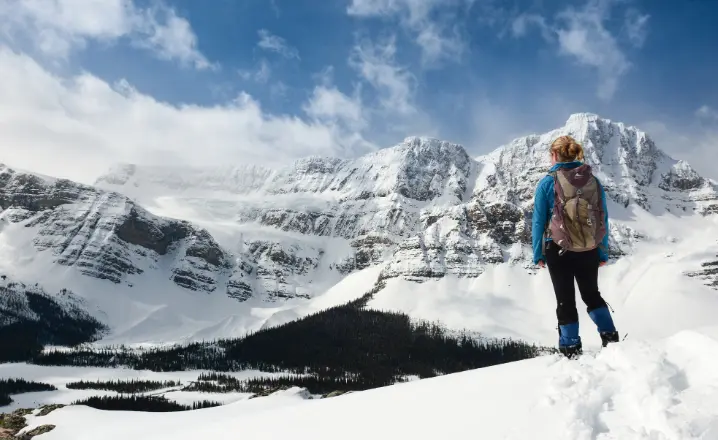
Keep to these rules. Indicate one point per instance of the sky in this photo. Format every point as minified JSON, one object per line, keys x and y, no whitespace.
{"x":85,"y":84}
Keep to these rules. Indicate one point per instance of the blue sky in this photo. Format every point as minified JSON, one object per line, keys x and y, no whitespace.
{"x":90,"y":83}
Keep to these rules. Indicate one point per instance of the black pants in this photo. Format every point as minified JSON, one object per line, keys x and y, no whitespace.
{"x":581,"y":266}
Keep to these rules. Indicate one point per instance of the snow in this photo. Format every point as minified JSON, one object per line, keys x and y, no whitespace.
{"x":168,"y":313}
{"x":638,"y":389}
{"x":61,"y":376}
{"x":649,"y":291}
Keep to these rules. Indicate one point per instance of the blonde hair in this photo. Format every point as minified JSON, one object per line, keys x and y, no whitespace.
{"x":567,"y":149}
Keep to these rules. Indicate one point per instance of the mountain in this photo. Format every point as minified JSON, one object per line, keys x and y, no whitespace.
{"x":425,"y":206}
{"x":105,"y":235}
{"x":171,"y":253}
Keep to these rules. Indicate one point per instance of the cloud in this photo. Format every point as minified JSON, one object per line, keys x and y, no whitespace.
{"x":329,"y":105}
{"x":584,"y":37}
{"x":58,"y":27}
{"x":636,"y":27}
{"x":707,"y":113}
{"x":438,"y":39}
{"x":581,"y":34}
{"x":395,"y":85}
{"x":695,"y":142}
{"x":275,"y":8}
{"x":521,"y":24}
{"x":261,"y":74}
{"x":274,"y":43}
{"x":77,"y":127}
{"x":278,"y":90}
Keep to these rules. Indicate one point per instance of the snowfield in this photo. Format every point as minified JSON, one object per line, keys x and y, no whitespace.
{"x":663,"y":389}
{"x":61,"y":376}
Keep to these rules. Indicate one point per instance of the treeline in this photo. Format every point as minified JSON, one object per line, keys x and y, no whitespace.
{"x":345,"y":346}
{"x":20,"y":386}
{"x":315,"y":384}
{"x":30,"y":319}
{"x":128,"y":386}
{"x":141,"y":403}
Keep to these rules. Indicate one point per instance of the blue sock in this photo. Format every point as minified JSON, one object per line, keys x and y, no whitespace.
{"x":603,"y":320}
{"x":569,"y":335}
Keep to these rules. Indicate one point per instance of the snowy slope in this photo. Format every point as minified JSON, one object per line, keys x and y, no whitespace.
{"x":649,"y":291}
{"x":61,"y":376}
{"x":658,"y":389}
{"x":257,"y":247}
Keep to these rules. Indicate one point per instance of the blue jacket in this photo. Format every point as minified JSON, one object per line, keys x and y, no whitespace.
{"x":543,"y":207}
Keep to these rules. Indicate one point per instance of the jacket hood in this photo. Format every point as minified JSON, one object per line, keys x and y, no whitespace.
{"x":568,"y":165}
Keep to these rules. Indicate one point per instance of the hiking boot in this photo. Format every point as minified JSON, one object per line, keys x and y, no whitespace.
{"x":571,"y":351}
{"x":609,"y":337}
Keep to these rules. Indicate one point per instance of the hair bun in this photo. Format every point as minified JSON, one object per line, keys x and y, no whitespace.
{"x":567,"y":149}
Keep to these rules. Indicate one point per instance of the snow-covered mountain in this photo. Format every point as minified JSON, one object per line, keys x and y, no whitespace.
{"x":425,"y":206}
{"x":188,"y":253}
{"x":105,"y":235}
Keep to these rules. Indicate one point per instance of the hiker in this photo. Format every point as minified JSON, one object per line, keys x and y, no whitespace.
{"x":570,"y":236}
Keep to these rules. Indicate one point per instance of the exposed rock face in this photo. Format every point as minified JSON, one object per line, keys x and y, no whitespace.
{"x":708,"y":273}
{"x":107,"y":236}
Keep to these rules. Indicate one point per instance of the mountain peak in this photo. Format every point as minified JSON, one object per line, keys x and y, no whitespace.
{"x":582,"y":117}
{"x":428,"y":142}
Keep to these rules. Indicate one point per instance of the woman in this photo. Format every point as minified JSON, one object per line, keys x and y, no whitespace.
{"x":569,"y":180}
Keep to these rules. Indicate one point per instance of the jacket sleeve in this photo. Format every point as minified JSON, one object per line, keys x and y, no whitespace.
{"x":603,"y":248}
{"x":541,"y":216}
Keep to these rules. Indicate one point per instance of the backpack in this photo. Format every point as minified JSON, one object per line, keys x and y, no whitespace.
{"x":577,"y":222}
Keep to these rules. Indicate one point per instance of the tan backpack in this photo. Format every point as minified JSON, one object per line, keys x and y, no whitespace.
{"x":577,"y":222}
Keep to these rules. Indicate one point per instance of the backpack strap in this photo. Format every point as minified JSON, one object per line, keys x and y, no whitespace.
{"x":553,"y":175}
{"x":546,"y":230}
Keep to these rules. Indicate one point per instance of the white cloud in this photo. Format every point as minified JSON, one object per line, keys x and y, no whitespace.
{"x":581,"y":34}
{"x":260,"y":74}
{"x":274,"y":43}
{"x":328,"y":104}
{"x":439,"y":42}
{"x":278,"y":90}
{"x":394,"y":84}
{"x":58,"y":27}
{"x":695,"y":142}
{"x":275,"y":8}
{"x":173,"y":39}
{"x":77,"y":127}
{"x":707,"y":113}
{"x":263,"y":73}
{"x":437,"y":38}
{"x":585,"y":38}
{"x":520,"y":25}
{"x":636,"y":26}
